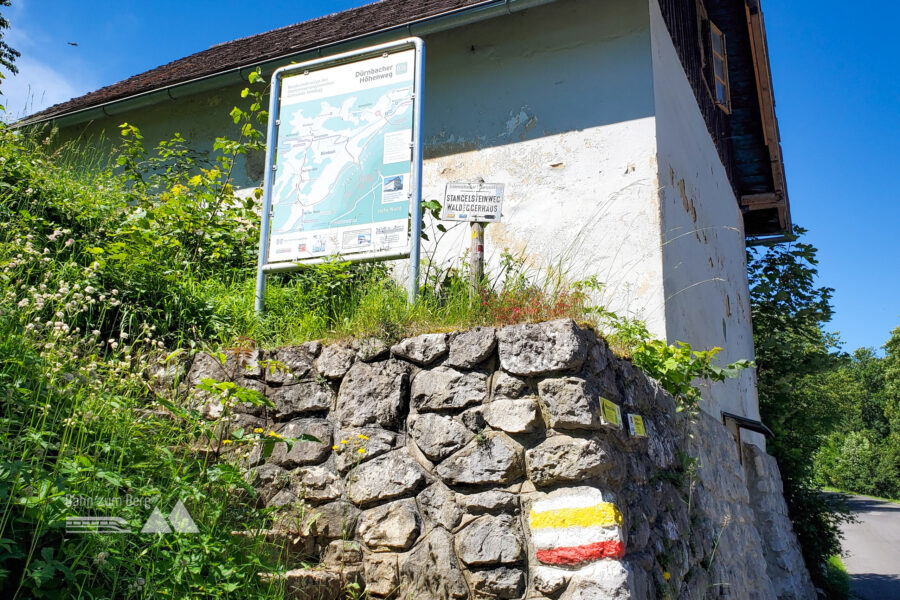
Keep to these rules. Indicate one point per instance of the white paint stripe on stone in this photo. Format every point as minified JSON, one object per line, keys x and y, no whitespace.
{"x":577,"y":498}
{"x":548,"y":539}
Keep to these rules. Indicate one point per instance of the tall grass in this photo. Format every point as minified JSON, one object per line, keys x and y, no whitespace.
{"x":107,"y":265}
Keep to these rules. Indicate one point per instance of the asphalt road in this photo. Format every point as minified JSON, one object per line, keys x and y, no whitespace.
{"x":872,"y":549}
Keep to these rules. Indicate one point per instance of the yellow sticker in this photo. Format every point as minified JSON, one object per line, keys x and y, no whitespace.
{"x":611,"y":413}
{"x":636,"y":425}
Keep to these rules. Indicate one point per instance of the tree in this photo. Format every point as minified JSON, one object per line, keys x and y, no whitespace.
{"x":797,"y":399}
{"x":8,"y":55}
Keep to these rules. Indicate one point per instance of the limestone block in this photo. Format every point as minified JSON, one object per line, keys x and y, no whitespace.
{"x":342,"y":552}
{"x":422,"y":349}
{"x":508,"y":386}
{"x":371,"y":349}
{"x":373,"y":394}
{"x":549,"y":581}
{"x":392,"y":526}
{"x":291,"y":364}
{"x":302,"y":398}
{"x":268,"y":480}
{"x":542,"y":348}
{"x":382,"y":578}
{"x":316,"y":484}
{"x":439,"y":506}
{"x":374,"y":442}
{"x":562,"y":458}
{"x":332,"y":521}
{"x":489,"y":502}
{"x":438,"y":436}
{"x":431,"y":572}
{"x":602,"y":580}
{"x":390,"y":476}
{"x":468,"y":349}
{"x":301,"y":453}
{"x":444,"y":388}
{"x":493,"y":458}
{"x":491,"y":540}
{"x":571,"y":403}
{"x":502,"y":582}
{"x":513,"y":416}
{"x":335,"y":361}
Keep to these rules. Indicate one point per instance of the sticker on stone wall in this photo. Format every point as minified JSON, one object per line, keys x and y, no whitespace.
{"x":636,"y":426}
{"x":575,"y":526}
{"x":610,"y":413}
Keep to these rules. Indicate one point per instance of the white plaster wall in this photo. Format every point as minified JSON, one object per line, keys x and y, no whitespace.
{"x":703,"y":252}
{"x":557,"y":103}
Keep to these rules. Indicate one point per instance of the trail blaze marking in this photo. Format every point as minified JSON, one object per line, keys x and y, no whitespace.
{"x":575,"y":528}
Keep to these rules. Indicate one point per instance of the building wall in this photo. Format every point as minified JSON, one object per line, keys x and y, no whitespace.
{"x":582,"y":109}
{"x":705,"y":283}
{"x":557,"y":103}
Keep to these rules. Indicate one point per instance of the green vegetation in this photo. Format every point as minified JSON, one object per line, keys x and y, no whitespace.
{"x":862,"y":453}
{"x":108,"y":268}
{"x":834,"y":415}
{"x":836,"y":577}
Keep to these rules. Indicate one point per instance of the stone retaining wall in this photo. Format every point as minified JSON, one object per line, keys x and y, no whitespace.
{"x":488,"y":464}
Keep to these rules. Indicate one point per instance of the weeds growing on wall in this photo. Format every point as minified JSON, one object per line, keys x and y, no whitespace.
{"x":104,"y":269}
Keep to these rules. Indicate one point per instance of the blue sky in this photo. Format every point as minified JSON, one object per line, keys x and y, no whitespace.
{"x":837,"y":87}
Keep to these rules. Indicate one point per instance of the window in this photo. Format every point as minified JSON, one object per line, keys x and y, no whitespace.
{"x":714,"y":59}
{"x":719,"y":60}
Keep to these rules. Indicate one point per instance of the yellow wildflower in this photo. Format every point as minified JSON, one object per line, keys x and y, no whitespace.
{"x":666,"y":575}
{"x":362,"y":450}
{"x":343,"y":441}
{"x":226,"y":442}
{"x":362,"y":437}
{"x":258,"y":430}
{"x":334,"y":447}
{"x":274,"y":435}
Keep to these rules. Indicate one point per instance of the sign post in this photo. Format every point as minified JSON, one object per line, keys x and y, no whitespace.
{"x":476,"y":256}
{"x":478,"y":203}
{"x":344,"y":161}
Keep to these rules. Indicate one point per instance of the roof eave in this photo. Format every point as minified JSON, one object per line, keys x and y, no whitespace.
{"x":777,"y":200}
{"x":417,"y":28}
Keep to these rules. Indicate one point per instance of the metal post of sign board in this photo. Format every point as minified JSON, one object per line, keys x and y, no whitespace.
{"x":476,"y":257}
{"x":389,"y":249}
{"x":416,"y":242}
{"x":271,"y":144}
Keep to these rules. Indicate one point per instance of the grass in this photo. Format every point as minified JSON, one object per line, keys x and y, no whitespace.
{"x":837,"y":579}
{"x":108,"y":267}
{"x":102,"y":271}
{"x":834,"y":490}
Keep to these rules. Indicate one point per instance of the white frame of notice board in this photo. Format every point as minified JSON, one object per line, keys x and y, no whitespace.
{"x":412,"y":249}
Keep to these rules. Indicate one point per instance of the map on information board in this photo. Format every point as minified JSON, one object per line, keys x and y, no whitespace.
{"x":344,"y":160}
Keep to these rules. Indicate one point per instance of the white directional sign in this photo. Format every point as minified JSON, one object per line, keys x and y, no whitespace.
{"x":472,"y":202}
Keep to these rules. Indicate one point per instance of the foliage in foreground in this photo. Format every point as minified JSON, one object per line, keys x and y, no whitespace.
{"x":834,"y":415}
{"x":103,"y":271}
{"x":862,"y":453}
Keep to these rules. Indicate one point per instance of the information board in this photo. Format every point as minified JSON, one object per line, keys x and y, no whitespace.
{"x":344,"y":161}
